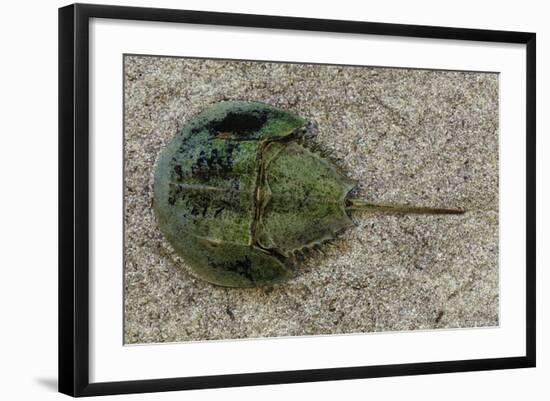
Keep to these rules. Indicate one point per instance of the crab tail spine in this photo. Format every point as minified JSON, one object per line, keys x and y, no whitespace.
{"x":364,"y":206}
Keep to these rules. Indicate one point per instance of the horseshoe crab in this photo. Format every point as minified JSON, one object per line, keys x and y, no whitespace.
{"x":239,"y":191}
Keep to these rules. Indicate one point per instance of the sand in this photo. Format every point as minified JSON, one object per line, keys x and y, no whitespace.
{"x":415,"y":137}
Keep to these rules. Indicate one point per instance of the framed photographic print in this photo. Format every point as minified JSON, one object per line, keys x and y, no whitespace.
{"x":250,"y":199}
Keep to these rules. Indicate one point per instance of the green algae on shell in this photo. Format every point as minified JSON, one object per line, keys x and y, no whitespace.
{"x":238,"y":192}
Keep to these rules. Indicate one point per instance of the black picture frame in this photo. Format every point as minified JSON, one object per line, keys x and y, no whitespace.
{"x":74,"y":201}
